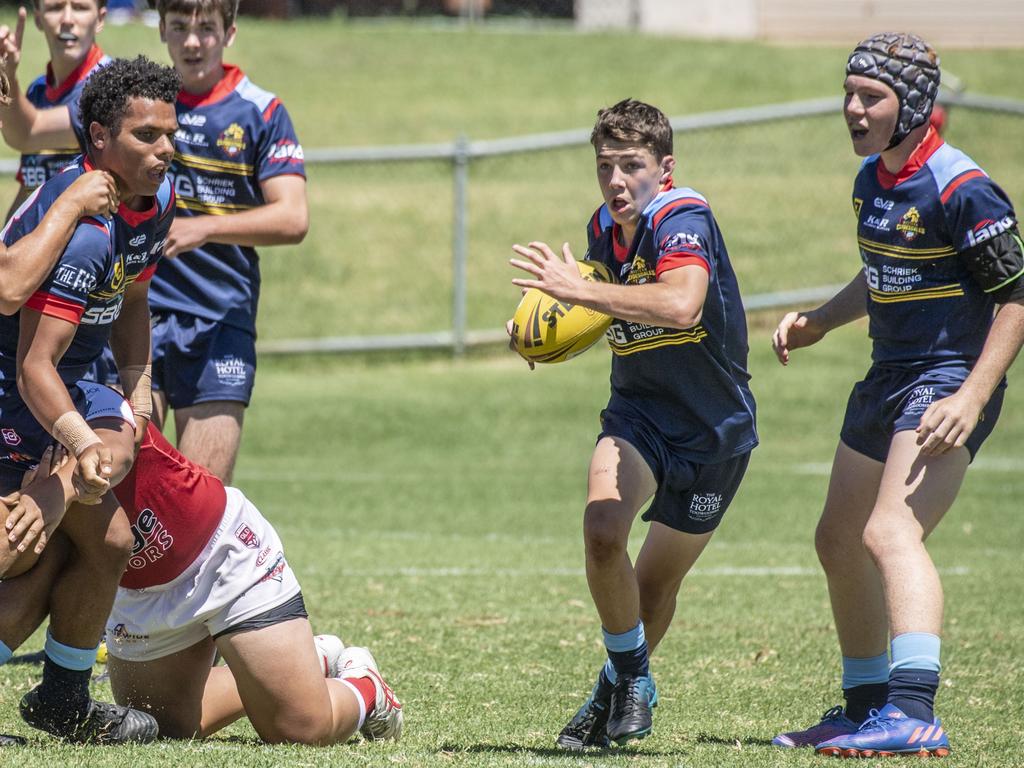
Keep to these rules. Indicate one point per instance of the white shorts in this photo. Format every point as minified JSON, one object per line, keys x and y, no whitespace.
{"x":240,"y":574}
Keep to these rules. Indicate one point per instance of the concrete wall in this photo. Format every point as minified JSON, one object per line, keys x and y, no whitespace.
{"x":944,"y":23}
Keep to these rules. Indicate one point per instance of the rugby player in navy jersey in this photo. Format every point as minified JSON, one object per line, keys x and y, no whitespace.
{"x":240,"y":183}
{"x":679,"y":426}
{"x":70,"y":28}
{"x":940,"y":285}
{"x":96,"y":292}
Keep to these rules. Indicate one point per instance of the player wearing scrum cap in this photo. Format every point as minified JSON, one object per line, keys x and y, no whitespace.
{"x":940,"y":285}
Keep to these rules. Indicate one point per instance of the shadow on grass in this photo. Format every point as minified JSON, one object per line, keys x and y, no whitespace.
{"x":513,"y":748}
{"x":731,"y":741}
{"x":28,"y":658}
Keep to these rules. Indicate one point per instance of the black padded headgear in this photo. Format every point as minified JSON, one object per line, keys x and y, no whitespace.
{"x":905,"y":63}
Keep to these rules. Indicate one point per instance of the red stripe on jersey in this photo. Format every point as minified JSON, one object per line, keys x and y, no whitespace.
{"x":55,"y":306}
{"x":660,"y":215}
{"x":676,"y":260}
{"x":928,"y":146}
{"x":146,"y":274}
{"x":92,"y":222}
{"x":79,"y":73}
{"x":595,"y":224}
{"x":269,"y":111}
{"x":225,"y":86}
{"x":963,"y":178}
{"x":134,"y":218}
{"x":619,"y":248}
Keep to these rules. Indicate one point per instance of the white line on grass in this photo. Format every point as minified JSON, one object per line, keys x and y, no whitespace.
{"x":982,"y":464}
{"x":726,"y":570}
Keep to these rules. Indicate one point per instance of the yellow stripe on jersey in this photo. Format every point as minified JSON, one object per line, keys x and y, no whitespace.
{"x":899,"y":252}
{"x":938,"y":292}
{"x":64,"y":151}
{"x":209,"y":164}
{"x":217,"y":209}
{"x":691,"y":336}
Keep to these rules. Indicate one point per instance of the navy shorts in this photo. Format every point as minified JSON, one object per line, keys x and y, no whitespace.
{"x":23,"y":440}
{"x":891,"y":400}
{"x":691,"y":497}
{"x":199,"y":361}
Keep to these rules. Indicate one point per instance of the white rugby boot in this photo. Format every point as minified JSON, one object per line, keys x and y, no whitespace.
{"x":329,"y":649}
{"x":384,"y":721}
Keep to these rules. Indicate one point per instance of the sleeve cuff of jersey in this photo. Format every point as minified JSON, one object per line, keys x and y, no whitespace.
{"x":54,"y":306}
{"x":147,"y":273}
{"x":676,"y":260}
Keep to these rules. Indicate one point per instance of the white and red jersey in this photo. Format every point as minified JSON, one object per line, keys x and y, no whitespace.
{"x":174,"y":507}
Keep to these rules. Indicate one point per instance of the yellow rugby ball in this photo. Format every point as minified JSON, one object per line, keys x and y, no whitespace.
{"x":545,"y":330}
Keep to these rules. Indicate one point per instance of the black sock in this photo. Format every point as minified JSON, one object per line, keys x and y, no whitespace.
{"x":861,"y":699}
{"x":634,"y":662}
{"x":64,"y":693}
{"x":913,"y":691}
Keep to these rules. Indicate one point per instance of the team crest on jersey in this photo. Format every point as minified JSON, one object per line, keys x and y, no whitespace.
{"x":910,"y":224}
{"x":232,"y":140}
{"x":639,"y":271}
{"x":10,"y":436}
{"x":858,"y":203}
{"x":247,"y":536}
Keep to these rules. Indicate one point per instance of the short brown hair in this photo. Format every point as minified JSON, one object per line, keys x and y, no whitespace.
{"x":634,"y":122}
{"x":226,"y":9}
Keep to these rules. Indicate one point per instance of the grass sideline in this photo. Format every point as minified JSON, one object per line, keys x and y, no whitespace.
{"x":432,"y":511}
{"x":378,"y":256}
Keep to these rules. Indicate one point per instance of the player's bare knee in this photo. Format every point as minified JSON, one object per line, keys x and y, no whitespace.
{"x":832,"y":544}
{"x":604,"y":533}
{"x":884,"y":538}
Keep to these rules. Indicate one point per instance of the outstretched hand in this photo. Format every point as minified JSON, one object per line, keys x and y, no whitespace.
{"x":795,"y":330}
{"x":10,"y":44}
{"x":558,"y":277}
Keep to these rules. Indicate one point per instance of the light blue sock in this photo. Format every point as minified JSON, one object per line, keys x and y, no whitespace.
{"x":916,"y":650}
{"x":5,"y":653}
{"x":865,"y":671}
{"x":78,"y":659}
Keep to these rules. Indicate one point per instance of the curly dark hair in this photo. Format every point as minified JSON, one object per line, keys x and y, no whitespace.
{"x":107,"y":92}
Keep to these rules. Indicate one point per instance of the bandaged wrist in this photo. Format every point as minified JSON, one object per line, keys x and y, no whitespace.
{"x":71,"y":431}
{"x":137,"y":381}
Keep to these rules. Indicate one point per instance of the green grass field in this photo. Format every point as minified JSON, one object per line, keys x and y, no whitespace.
{"x":432,"y":511}
{"x":432,"y":507}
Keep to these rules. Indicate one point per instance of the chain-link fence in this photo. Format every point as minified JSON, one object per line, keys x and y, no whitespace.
{"x":441,"y":226}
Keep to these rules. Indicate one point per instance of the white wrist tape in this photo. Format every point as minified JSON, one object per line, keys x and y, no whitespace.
{"x":137,"y":382}
{"x":71,"y":431}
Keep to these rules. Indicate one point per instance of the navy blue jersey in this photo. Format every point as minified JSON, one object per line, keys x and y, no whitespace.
{"x":38,"y":168}
{"x":228,"y":141}
{"x":690,"y":385}
{"x":924,"y":306}
{"x":87,"y":285}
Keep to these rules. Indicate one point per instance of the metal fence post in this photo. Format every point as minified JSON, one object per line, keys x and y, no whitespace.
{"x":460,"y":241}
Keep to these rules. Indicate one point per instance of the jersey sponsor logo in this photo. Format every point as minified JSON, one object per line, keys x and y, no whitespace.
{"x":987,"y":229}
{"x":878,"y":222}
{"x":195,"y":121}
{"x":75,"y":278}
{"x":276,"y":570}
{"x":231,"y":370}
{"x":892,"y":279}
{"x":191,"y":138}
{"x":137,"y":240}
{"x":10,"y":436}
{"x":104,"y":314}
{"x":151,"y":540}
{"x":910,"y":224}
{"x":247,"y":536}
{"x":139,"y":257}
{"x":183,"y":186}
{"x":285,"y":150}
{"x":19,"y":458}
{"x":682,"y":241}
{"x":705,"y":506}
{"x":232,"y":140}
{"x":262,"y":557}
{"x":883,"y":204}
{"x":919,"y":400}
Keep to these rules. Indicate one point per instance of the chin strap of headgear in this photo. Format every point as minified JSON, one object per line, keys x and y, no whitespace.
{"x":909,"y":66}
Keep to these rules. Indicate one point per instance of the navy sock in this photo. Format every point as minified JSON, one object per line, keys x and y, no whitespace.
{"x":64,"y":692}
{"x":861,"y":699}
{"x":913,"y":691}
{"x":628,"y":651}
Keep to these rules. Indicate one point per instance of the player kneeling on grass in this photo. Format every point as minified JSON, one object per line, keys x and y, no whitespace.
{"x":941,"y":287}
{"x":680,"y":422}
{"x":208,"y":573}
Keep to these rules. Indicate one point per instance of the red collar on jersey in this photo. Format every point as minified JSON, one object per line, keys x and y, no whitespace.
{"x":78,"y":74}
{"x":928,"y":146}
{"x":232,"y":77}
